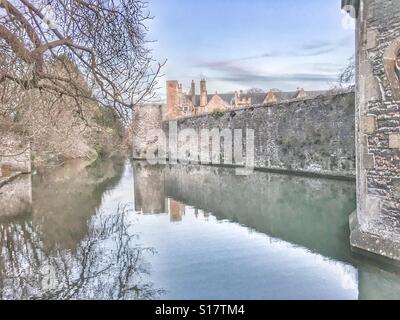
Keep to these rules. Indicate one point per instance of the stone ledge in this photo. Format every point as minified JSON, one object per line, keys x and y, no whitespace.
{"x":372,"y":243}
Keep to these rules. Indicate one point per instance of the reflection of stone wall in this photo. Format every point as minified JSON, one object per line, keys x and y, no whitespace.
{"x":309,"y":212}
{"x":149,"y":188}
{"x":375,"y":284}
{"x":14,"y":152}
{"x":16,"y":197}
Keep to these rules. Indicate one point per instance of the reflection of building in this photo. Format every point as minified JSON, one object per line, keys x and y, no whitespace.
{"x":176,"y":210}
{"x":149,"y":188}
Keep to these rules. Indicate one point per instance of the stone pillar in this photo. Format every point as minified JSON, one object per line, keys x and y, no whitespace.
{"x":146,"y":117}
{"x":375,"y":226}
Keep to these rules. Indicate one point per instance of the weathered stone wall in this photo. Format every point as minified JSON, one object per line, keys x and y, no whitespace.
{"x":377,"y":227}
{"x":146,"y":117}
{"x":307,"y":136}
{"x":15,"y":152}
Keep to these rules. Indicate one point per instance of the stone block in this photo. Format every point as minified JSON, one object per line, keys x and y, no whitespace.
{"x":396,"y":188}
{"x":394,"y":140}
{"x":371,"y":39}
{"x":368,"y":161}
{"x":390,"y":61}
{"x":369,"y":124}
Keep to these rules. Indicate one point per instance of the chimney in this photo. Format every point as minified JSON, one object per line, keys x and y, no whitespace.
{"x":193,"y":93}
{"x":172,"y":97}
{"x":203,"y":93}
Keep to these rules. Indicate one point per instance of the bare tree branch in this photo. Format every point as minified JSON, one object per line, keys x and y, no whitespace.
{"x":104,"y":39}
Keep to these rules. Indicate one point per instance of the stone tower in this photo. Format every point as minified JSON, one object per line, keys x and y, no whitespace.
{"x":375,"y":226}
{"x":203,"y":93}
{"x":146,"y":117}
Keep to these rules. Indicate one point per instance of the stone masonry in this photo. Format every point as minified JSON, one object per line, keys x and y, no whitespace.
{"x":310,"y":136}
{"x":376,"y":224}
{"x":146,"y":117}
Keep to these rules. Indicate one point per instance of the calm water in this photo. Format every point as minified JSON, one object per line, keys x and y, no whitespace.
{"x":116,"y":230}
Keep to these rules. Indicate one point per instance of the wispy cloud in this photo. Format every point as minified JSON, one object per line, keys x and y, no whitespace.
{"x":314,"y":48}
{"x":301,"y":65}
{"x":274,"y":43}
{"x":237,"y":74}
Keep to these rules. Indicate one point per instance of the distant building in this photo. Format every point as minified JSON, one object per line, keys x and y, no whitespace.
{"x":180,"y":104}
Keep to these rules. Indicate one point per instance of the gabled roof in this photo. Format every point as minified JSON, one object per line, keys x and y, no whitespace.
{"x":258,"y":98}
{"x":229,"y":98}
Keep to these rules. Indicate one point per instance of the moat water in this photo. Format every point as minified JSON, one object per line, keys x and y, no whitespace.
{"x":127,"y":230}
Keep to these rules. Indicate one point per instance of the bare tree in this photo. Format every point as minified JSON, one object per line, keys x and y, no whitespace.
{"x":108,"y":264}
{"x":347,"y":76}
{"x":104,"y":39}
{"x":255,"y":90}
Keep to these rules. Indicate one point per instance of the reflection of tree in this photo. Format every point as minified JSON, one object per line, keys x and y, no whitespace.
{"x":65,"y":198}
{"x":106,"y":265}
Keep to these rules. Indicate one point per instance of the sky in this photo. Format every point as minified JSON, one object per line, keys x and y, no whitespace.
{"x":243,"y":44}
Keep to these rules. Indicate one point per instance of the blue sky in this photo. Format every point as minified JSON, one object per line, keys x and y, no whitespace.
{"x":242,"y":44}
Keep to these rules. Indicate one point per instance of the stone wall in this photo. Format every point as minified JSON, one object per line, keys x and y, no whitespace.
{"x":314,"y":136}
{"x":15,"y":152}
{"x":376,"y":227}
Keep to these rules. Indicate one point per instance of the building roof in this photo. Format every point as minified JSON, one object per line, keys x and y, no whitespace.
{"x":258,"y":98}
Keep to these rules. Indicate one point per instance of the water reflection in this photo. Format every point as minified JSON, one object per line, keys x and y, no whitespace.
{"x":69,"y":247}
{"x":64,"y":198}
{"x":181,"y":232}
{"x":305,"y":222}
{"x":149,"y":188}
